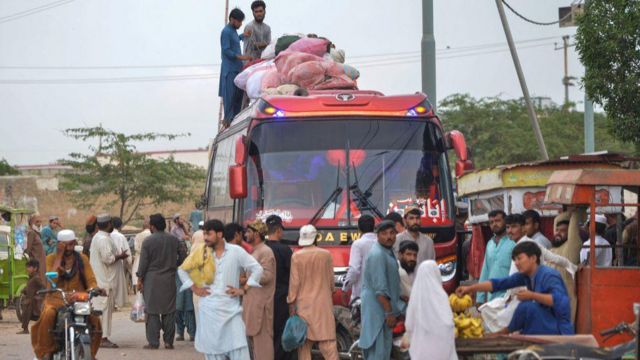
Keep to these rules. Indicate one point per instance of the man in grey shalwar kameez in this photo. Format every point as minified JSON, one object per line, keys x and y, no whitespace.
{"x":159,"y":258}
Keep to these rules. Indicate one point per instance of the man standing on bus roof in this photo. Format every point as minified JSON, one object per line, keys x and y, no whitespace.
{"x":412,"y":216}
{"x":231,"y":65}
{"x":283,"y":255}
{"x":260,"y":32}
{"x":532,"y":228}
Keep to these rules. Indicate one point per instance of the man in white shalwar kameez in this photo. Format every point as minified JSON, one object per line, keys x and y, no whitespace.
{"x":137,"y":246}
{"x":123,"y":267}
{"x":104,"y":256}
{"x":223,"y":337}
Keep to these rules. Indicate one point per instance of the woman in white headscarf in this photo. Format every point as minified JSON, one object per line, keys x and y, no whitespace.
{"x":429,"y":323}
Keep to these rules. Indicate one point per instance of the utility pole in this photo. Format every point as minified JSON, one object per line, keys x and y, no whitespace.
{"x":523,"y":84}
{"x":428,"y":46}
{"x":589,"y":127}
{"x":565,"y":80}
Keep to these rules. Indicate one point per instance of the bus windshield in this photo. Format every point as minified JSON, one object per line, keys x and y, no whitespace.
{"x":331,"y":171}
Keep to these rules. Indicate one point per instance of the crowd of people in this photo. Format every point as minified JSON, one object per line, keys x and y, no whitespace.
{"x":232,"y":288}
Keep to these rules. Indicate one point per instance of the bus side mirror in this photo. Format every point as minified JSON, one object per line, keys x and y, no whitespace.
{"x":238,"y":181}
{"x":456,"y":141}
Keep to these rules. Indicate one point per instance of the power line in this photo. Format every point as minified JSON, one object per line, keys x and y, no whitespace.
{"x":111,"y":80}
{"x":533,"y":21}
{"x":35,"y":10}
{"x":372,"y":57}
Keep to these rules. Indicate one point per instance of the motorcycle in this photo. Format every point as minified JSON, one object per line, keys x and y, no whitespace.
{"x":72,"y":330}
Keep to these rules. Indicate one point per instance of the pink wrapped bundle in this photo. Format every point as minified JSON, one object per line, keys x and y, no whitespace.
{"x":308,"y":74}
{"x":333,"y":68}
{"x":287,"y":60}
{"x":243,"y":77}
{"x":313,"y":46}
{"x":271,"y":79}
{"x":336,"y":82}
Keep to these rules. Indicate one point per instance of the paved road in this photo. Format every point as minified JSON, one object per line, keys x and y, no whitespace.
{"x":127,"y":334}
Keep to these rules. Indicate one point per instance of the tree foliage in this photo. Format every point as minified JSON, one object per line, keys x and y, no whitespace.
{"x":608,"y":40}
{"x":7,"y":169}
{"x":115,"y":172}
{"x":498,"y":131}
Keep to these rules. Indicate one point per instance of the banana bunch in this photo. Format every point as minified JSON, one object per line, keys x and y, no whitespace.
{"x":466,"y":326}
{"x":460,"y":304}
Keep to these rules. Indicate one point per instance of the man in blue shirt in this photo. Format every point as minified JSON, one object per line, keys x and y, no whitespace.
{"x":231,"y":65}
{"x":544,"y":307}
{"x":497,"y":255}
{"x":381,"y":304}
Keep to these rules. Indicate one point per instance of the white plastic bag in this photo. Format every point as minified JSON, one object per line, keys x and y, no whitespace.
{"x":269,"y":52}
{"x":138,"y":309}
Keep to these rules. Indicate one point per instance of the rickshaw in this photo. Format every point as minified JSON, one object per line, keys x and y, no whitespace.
{"x":606,"y":295}
{"x":13,"y":241}
{"x":519,"y":187}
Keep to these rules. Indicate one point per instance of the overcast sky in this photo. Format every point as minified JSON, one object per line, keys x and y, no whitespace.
{"x":69,"y":63}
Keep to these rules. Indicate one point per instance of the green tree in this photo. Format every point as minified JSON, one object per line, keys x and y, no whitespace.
{"x":499,"y":132}
{"x":7,"y":169}
{"x":608,"y":40}
{"x":114,"y":171}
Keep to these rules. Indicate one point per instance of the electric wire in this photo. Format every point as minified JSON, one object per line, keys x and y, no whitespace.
{"x":533,"y":21}
{"x":32,"y":11}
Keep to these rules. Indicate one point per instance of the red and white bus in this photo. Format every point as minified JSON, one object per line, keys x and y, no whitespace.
{"x":331,"y":156}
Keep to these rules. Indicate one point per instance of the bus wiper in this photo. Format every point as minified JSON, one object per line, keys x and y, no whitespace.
{"x":334,"y":195}
{"x":363,"y":197}
{"x":320,"y":211}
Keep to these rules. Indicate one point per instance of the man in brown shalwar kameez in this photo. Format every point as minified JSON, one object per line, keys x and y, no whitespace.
{"x":74,"y":274}
{"x":257,"y":304}
{"x":311,"y":289}
{"x":35,"y":248}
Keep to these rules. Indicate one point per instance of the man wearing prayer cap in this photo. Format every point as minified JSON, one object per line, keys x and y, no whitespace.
{"x":75,"y":273}
{"x":104,"y":261}
{"x":604,"y":254}
{"x":310,"y":294}
{"x":380,"y":295}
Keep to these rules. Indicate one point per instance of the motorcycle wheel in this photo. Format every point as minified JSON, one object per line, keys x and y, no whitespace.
{"x":83,"y":348}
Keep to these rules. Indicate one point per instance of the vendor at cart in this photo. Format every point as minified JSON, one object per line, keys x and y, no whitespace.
{"x":545,"y":308}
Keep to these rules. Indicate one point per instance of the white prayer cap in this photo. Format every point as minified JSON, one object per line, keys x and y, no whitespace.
{"x":308,"y":234}
{"x":176,"y":216}
{"x":66,"y":235}
{"x":201,"y":223}
{"x":53,"y":217}
{"x":601,"y":219}
{"x":104,"y":218}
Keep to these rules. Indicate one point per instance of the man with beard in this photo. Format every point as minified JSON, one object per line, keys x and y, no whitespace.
{"x":567,"y":243}
{"x":497,"y":255}
{"x":74,"y":274}
{"x":381,"y":304}
{"x":260,"y":32}
{"x":408,"y":259}
{"x":412,"y":217}
{"x":161,"y":252}
{"x":231,"y":65}
{"x":224,"y":336}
